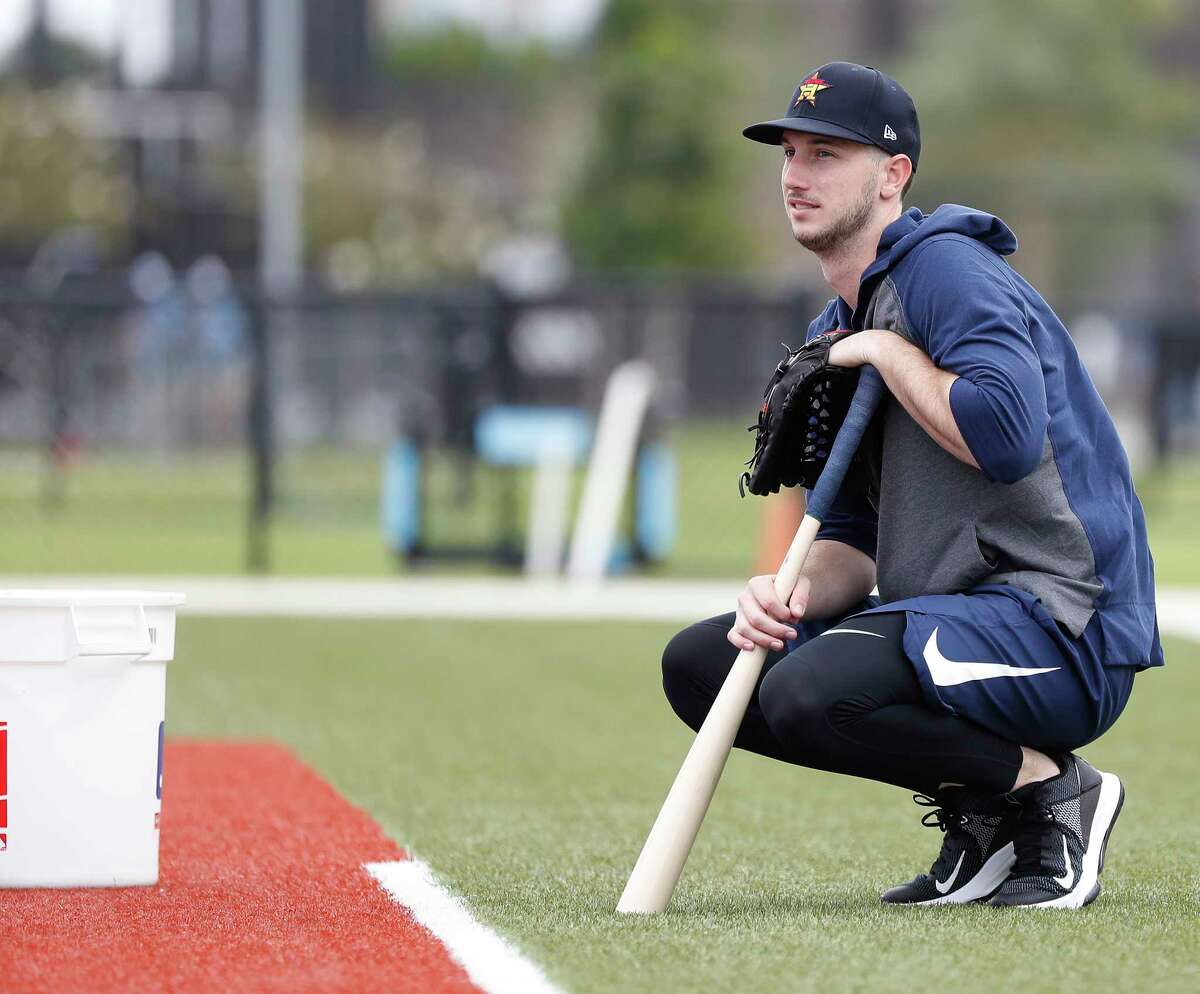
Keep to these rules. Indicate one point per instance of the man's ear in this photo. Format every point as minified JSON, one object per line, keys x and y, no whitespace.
{"x":896,"y":174}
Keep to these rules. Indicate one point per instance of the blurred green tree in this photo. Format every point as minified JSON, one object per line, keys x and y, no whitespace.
{"x":459,"y":55}
{"x":656,"y":191}
{"x":381,"y":210}
{"x":53,"y":174}
{"x":424,"y":188}
{"x":1059,"y":117}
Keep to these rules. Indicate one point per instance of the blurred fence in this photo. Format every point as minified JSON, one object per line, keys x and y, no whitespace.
{"x":113,"y":388}
{"x":152,"y":409}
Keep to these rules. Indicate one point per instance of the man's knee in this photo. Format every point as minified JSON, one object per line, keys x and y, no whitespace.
{"x":796,"y":709}
{"x":676,"y":667}
{"x":814,"y":696}
{"x":689,"y":663}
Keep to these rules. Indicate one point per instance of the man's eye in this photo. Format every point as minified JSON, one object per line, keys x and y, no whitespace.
{"x":824,"y":153}
{"x":788,"y":153}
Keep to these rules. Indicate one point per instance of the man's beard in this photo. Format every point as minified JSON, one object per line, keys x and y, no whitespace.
{"x":845,"y":227}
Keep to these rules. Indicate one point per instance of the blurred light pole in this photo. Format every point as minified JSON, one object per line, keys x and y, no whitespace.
{"x":40,"y":68}
{"x":280,"y":243}
{"x":281,"y":154}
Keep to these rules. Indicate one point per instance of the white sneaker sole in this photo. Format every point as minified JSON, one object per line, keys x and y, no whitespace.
{"x":990,"y":876}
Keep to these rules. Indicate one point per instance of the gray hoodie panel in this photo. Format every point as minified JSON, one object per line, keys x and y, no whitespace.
{"x":944,"y":528}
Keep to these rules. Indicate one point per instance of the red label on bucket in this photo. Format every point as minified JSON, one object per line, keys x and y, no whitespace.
{"x":3,"y":785}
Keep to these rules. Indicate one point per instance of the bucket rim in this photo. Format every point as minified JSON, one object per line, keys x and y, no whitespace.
{"x":51,"y":597}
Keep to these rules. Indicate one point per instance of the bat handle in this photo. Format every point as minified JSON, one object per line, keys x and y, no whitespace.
{"x":862,"y":408}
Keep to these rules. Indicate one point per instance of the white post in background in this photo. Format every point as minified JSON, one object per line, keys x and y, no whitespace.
{"x":548,"y":505}
{"x":281,"y":149}
{"x":626,"y":400}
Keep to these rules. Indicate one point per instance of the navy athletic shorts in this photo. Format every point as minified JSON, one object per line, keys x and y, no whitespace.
{"x":994,"y":656}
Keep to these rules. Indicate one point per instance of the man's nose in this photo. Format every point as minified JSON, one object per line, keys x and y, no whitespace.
{"x":795,"y":177}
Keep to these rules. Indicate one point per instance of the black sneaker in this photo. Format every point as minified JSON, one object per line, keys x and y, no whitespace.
{"x":977,"y":851}
{"x":1064,"y":829}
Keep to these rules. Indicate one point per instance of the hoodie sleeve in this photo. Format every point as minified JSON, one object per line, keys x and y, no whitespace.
{"x":963,"y":307}
{"x":827,"y":320}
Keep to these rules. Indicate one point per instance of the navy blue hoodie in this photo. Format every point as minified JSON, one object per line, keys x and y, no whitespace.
{"x":1051,"y":511}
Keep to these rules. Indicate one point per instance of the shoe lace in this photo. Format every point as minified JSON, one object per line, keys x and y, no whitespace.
{"x":1037,"y":842}
{"x":942,"y":816}
{"x":952,"y":822}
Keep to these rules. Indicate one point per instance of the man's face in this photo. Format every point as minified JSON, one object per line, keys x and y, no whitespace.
{"x":830,"y":188}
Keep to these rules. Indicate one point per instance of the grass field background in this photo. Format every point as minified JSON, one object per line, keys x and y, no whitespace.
{"x":525,"y":763}
{"x":123,"y":514}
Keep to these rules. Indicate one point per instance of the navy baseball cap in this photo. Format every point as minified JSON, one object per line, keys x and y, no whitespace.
{"x":846,"y":100}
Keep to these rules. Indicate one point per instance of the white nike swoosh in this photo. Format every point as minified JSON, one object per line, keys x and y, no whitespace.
{"x":943,"y":887}
{"x":852,"y":631}
{"x":1067,"y":878}
{"x":949,"y":672}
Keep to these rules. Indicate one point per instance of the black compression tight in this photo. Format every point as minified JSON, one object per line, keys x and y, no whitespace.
{"x":847,"y":703}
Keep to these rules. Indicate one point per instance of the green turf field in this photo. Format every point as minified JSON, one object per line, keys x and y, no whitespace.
{"x":118,"y":514}
{"x":525,"y":763}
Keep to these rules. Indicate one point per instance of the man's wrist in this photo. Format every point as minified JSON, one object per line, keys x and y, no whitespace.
{"x":879,"y":346}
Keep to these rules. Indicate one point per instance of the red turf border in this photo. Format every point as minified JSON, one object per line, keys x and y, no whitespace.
{"x":261,"y":889}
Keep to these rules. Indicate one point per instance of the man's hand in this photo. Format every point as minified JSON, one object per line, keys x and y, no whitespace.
{"x":762,"y":618}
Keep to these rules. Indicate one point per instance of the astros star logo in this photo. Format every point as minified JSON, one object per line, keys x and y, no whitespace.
{"x":809,"y":90}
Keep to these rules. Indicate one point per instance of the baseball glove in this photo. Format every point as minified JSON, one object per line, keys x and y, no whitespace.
{"x":803,"y":407}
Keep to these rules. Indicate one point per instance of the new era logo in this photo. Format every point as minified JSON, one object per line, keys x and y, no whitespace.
{"x":888,"y":133}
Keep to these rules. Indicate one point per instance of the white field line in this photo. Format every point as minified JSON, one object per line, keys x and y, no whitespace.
{"x":478,"y":598}
{"x":492,"y":964}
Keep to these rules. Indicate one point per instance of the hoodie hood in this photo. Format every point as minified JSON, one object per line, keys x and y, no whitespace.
{"x":912,"y":228}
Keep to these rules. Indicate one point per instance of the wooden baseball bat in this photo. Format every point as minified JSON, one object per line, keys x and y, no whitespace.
{"x":670,"y":840}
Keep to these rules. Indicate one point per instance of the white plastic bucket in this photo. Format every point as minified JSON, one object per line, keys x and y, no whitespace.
{"x":82,"y":701}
